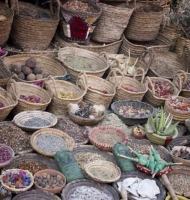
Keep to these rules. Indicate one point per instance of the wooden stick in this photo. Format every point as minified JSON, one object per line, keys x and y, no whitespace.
{"x":123,"y":193}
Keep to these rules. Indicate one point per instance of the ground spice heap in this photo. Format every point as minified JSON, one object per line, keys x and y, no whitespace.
{"x":36,"y":122}
{"x":14,"y":137}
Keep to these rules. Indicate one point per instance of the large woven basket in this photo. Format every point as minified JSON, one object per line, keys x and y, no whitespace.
{"x":78,"y":25}
{"x":150,"y":94}
{"x":130,"y":83}
{"x":70,"y":143}
{"x":92,"y":46}
{"x":112,"y":23}
{"x":144,"y":25}
{"x":47,"y":64}
{"x":181,"y":42}
{"x":19,"y":88}
{"x":8,"y":102}
{"x":177,"y":114}
{"x":30,"y":33}
{"x":70,"y":188}
{"x":95,"y":87}
{"x":98,"y":62}
{"x":58,"y":106}
{"x":5,"y":75}
{"x":5,"y":25}
{"x":160,"y":44}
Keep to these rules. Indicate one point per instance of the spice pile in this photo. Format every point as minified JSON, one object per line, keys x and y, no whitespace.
{"x":179,"y":105}
{"x":49,"y":181}
{"x":16,"y":179}
{"x":98,"y":90}
{"x":50,"y":143}
{"x":133,"y":112}
{"x":78,"y":133}
{"x":5,"y":155}
{"x":1,"y":105}
{"x":36,"y":122}
{"x":67,"y":95}
{"x":163,"y":89}
{"x":31,"y":99}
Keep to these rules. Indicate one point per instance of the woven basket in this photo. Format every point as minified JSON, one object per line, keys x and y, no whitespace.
{"x":36,"y":195}
{"x":131,"y":83}
{"x":30,"y":33}
{"x":47,"y":64}
{"x":105,"y":168}
{"x":70,"y":188}
{"x":79,"y":25}
{"x":8,"y":102}
{"x":179,"y":141}
{"x":22,"y":117}
{"x":19,"y":88}
{"x":144,"y":25}
{"x":112,"y":23}
{"x":5,"y":25}
{"x":150,"y":97}
{"x":161,"y":140}
{"x":160,"y":44}
{"x":177,"y":115}
{"x":93,"y":85}
{"x":70,"y":143}
{"x":92,"y":46}
{"x":58,"y":106}
{"x":99,"y":62}
{"x":31,"y":157}
{"x":142,"y":176}
{"x":17,"y":190}
{"x":137,"y":104}
{"x":5,"y":75}
{"x":105,"y":137}
{"x":85,"y":121}
{"x":181,"y":42}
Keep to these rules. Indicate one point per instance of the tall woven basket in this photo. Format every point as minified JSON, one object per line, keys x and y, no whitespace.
{"x":112,"y":23}
{"x":78,"y":25}
{"x":181,"y":42}
{"x":5,"y":25}
{"x":145,"y":22}
{"x":58,"y":106}
{"x":33,"y":27}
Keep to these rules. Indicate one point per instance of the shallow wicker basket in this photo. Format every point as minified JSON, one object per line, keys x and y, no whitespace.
{"x":58,"y":106}
{"x":5,"y":75}
{"x":105,"y":168}
{"x":70,"y":143}
{"x":179,"y":141}
{"x":36,"y":195}
{"x":142,"y":176}
{"x":160,"y":44}
{"x":94,"y":84}
{"x":150,"y":97}
{"x":70,"y":188}
{"x":17,"y":190}
{"x":105,"y":137}
{"x":131,"y":83}
{"x":19,"y":88}
{"x":99,"y":62}
{"x":178,"y":115}
{"x":47,"y":64}
{"x":161,"y":140}
{"x":24,"y":116}
{"x":85,"y":121}
{"x":92,"y":46}
{"x":8,"y":102}
{"x":137,"y":104}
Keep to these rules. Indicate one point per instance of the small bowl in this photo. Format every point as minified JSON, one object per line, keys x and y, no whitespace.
{"x":141,"y":134}
{"x":50,"y":171}
{"x":4,"y":164}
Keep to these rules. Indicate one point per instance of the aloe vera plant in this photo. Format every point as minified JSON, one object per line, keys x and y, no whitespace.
{"x":161,"y":123}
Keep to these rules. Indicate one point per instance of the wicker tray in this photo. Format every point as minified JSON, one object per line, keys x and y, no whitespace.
{"x":105,"y":137}
{"x":139,"y":104}
{"x":22,"y":117}
{"x":31,"y":157}
{"x":45,"y":131}
{"x":70,"y":188}
{"x":141,"y":175}
{"x":36,"y":195}
{"x":104,"y":168}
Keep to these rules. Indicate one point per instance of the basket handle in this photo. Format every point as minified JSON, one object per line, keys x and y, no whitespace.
{"x":186,"y":55}
{"x":151,"y":55}
{"x":114,"y":75}
{"x":177,"y":80}
{"x":151,"y":84}
{"x":51,"y":78}
{"x":136,"y":73}
{"x":105,"y":55}
{"x":12,"y":85}
{"x":58,"y":7}
{"x":81,"y":81}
